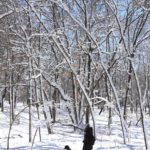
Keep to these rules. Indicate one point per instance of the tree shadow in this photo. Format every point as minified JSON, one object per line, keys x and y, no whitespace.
{"x":120,"y":147}
{"x":38,"y":147}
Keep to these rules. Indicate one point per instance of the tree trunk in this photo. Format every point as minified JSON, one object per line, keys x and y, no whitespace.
{"x":141,"y":109}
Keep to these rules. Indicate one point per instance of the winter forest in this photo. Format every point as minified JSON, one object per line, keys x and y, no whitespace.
{"x":65,"y":64}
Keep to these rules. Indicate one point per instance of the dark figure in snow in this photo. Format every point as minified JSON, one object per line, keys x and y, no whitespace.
{"x":89,"y":139}
{"x":67,"y":147}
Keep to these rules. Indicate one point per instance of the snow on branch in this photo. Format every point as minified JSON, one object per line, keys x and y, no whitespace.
{"x":146,"y":9}
{"x":58,"y":87}
{"x":71,"y":125}
{"x":36,"y":76}
{"x":6,"y":14}
{"x":102,"y":99}
{"x":2,"y":31}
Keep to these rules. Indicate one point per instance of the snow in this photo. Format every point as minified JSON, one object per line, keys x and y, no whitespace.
{"x":107,"y":139}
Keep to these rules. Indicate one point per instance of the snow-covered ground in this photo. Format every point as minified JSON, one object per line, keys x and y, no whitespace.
{"x":64,"y":135}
